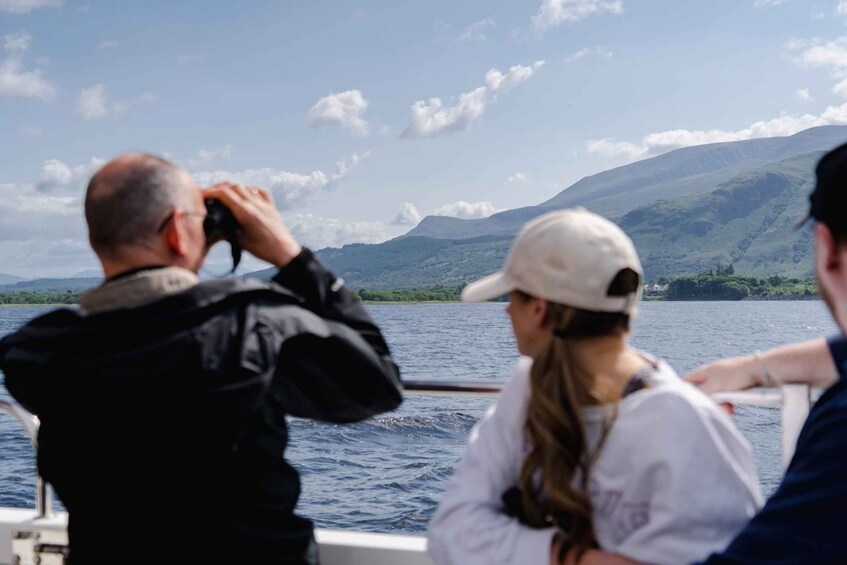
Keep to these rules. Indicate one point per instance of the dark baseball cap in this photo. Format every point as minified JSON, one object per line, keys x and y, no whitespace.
{"x":828,"y":201}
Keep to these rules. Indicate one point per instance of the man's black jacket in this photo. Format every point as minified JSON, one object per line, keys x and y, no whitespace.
{"x":164,"y":425}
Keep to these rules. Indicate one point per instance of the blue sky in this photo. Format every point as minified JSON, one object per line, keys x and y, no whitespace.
{"x":364,"y":116}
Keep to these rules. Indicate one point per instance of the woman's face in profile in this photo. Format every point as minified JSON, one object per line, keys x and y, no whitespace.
{"x":528,"y":315}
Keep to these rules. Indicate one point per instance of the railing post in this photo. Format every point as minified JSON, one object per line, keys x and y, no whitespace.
{"x":43,"y":492}
{"x":796,"y":404}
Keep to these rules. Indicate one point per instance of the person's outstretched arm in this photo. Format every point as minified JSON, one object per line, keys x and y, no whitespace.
{"x":808,"y":362}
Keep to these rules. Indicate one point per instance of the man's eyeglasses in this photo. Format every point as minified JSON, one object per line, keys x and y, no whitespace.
{"x":170,"y":217}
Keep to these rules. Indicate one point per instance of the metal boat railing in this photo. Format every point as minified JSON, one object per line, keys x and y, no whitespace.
{"x":43,"y":491}
{"x":353,"y":548}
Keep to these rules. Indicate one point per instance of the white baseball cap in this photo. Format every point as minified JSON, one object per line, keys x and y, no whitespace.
{"x":569,"y":257}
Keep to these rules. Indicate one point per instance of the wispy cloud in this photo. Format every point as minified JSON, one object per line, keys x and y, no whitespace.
{"x":94,"y":104}
{"x":476,"y":31}
{"x":209,"y":157}
{"x":14,"y":79}
{"x":342,"y":109}
{"x":802,"y":95}
{"x":317,"y":232}
{"x":598,"y":51}
{"x":289,"y":189}
{"x":466,"y":210}
{"x":431,"y":118}
{"x":764,"y":3}
{"x":109,"y":44}
{"x":517,"y":178}
{"x":26,"y":6}
{"x":662,"y":142}
{"x":553,"y":13}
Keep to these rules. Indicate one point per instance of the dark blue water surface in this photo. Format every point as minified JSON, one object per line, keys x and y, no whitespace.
{"x":386,"y":474}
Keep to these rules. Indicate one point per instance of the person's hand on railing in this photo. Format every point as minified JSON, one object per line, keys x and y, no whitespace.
{"x":808,"y":362}
{"x":735,"y":373}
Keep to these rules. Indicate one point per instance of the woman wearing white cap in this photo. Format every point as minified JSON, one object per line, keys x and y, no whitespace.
{"x":592,"y":444}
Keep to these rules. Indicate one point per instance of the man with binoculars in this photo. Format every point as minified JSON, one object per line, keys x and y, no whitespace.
{"x":162,"y":399}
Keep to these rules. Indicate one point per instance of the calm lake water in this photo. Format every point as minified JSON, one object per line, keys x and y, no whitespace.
{"x":386,"y":474}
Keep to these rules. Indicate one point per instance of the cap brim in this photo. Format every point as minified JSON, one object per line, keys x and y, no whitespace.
{"x":487,"y":288}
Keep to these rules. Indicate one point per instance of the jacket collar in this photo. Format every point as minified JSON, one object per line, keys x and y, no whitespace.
{"x":137,"y":289}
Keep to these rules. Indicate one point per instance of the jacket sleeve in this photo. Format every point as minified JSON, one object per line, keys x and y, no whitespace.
{"x":469,"y":527}
{"x":335,"y":366}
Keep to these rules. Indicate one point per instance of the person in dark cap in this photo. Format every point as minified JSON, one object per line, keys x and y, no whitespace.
{"x":803,"y":522}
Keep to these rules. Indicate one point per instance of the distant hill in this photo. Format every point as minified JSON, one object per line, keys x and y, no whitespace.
{"x":89,"y":274}
{"x":412,"y":262}
{"x":52,"y":285}
{"x":747,"y":220}
{"x":8,"y":279}
{"x":615,"y":192}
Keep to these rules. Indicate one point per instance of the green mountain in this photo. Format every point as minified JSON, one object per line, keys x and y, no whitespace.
{"x":618,"y":191}
{"x":748,"y":221}
{"x":684,"y":212}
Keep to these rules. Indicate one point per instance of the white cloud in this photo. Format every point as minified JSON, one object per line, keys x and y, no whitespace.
{"x":109,"y":44}
{"x":342,"y":109}
{"x":517,"y":178}
{"x":289,"y":189}
{"x":30,"y":130}
{"x":431,"y":118}
{"x":407,"y":216}
{"x":466,"y":210}
{"x":26,"y":6}
{"x":58,"y":177}
{"x":316,"y":232}
{"x":17,"y":42}
{"x":598,"y":51}
{"x":208,"y":157}
{"x":761,"y":3}
{"x":841,"y":8}
{"x":93,"y":103}
{"x":476,"y":31}
{"x":662,"y":142}
{"x":802,"y":95}
{"x":830,"y":54}
{"x":14,"y":80}
{"x":553,"y":13}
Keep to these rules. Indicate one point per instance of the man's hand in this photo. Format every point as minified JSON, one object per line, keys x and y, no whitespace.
{"x":736,"y":373}
{"x":262,"y":231}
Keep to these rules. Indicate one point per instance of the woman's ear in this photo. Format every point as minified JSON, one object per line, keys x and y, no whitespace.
{"x":540,"y":308}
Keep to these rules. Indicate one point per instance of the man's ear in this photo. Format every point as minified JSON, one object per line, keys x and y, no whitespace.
{"x":175,"y":235}
{"x":827,"y":256}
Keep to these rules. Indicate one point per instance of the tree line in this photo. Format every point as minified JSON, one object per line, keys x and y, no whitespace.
{"x":28,"y":297}
{"x":721,"y":283}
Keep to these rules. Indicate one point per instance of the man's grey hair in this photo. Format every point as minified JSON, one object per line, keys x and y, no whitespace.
{"x":127,"y":207}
